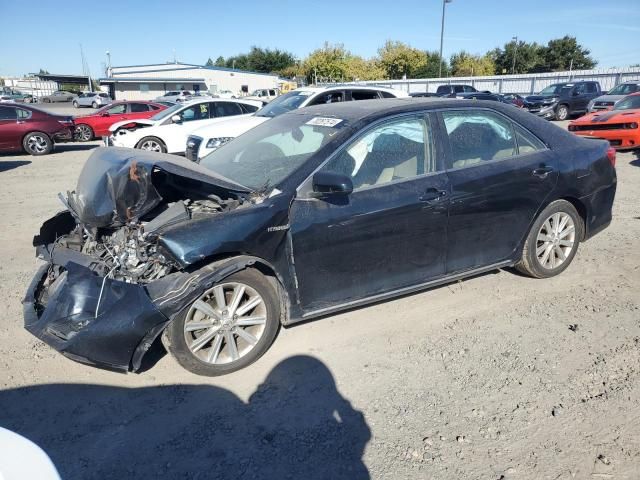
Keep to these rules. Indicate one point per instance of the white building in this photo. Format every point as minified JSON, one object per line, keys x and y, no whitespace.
{"x":146,"y":82}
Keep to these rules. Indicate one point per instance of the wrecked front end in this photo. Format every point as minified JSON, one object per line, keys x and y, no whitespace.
{"x":108,"y":286}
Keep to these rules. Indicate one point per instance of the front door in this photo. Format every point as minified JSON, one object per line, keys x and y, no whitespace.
{"x":192,"y":117}
{"x":389,"y":233}
{"x":500,"y":176}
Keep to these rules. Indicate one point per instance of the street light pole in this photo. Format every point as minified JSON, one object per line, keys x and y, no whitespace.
{"x":515,"y":49}
{"x":444,"y":4}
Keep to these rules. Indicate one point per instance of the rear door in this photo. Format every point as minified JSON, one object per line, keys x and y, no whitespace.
{"x":226,"y":109}
{"x":9,"y":131}
{"x":389,"y":233}
{"x":500,"y":175}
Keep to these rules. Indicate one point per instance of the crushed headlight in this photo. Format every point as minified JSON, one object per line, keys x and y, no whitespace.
{"x":218,"y":142}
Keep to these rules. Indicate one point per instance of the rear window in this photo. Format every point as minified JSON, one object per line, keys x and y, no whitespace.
{"x":443,"y":89}
{"x":246,"y":108}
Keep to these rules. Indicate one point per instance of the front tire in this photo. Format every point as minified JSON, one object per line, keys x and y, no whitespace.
{"x":37,"y":143}
{"x":552,"y":241}
{"x":152,"y":144}
{"x":562,"y":112}
{"x":75,"y":104}
{"x":228,"y":327}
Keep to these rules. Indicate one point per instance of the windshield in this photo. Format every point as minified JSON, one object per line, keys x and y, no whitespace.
{"x":555,"y":89}
{"x":628,"y":103}
{"x":284,"y":103}
{"x":167,"y":113}
{"x":269,"y":153}
{"x":624,"y":89}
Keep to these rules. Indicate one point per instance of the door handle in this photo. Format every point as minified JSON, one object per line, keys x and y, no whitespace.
{"x":542,"y":171}
{"x":432,"y":195}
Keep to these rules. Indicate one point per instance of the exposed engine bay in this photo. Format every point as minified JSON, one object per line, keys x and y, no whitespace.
{"x":121,"y":207}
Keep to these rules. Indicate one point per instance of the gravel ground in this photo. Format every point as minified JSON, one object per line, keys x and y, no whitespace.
{"x":496,"y":377}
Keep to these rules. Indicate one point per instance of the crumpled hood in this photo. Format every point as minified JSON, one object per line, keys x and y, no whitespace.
{"x":610,"y":116}
{"x":141,"y":121}
{"x":115,"y":185}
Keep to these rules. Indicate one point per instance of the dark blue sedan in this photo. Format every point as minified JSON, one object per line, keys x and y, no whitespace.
{"x":313,"y":212}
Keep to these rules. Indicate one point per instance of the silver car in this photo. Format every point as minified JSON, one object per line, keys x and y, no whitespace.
{"x":613,"y":96}
{"x":175,"y":96}
{"x":92,"y":99}
{"x":58,"y":96}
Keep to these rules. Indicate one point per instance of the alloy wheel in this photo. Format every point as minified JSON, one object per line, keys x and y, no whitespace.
{"x":151,"y":145}
{"x":225,"y":323}
{"x":556,"y":240}
{"x":83,"y":133}
{"x":37,"y":144}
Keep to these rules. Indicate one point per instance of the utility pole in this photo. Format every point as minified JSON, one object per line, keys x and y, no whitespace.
{"x":515,"y":49}
{"x":444,"y":4}
{"x":108,"y":72}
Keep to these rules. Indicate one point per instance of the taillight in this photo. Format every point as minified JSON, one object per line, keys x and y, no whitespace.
{"x":611,"y":155}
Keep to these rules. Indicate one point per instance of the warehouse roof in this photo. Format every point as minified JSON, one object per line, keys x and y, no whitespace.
{"x":181,"y":66}
{"x":150,"y":80}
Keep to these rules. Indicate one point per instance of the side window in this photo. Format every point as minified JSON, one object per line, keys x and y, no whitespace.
{"x":8,"y":113}
{"x":138,"y":107}
{"x":246,"y":108}
{"x":478,"y":136}
{"x":527,"y":142}
{"x":364,"y":95}
{"x":591,"y":88}
{"x":118,"y":109}
{"x":272,"y":93}
{"x":153,"y":107}
{"x":580,"y":88}
{"x":227,"y":109}
{"x":386,"y":94}
{"x":395,"y":150}
{"x":195,"y":112}
{"x":23,"y":114}
{"x":328,"y":97}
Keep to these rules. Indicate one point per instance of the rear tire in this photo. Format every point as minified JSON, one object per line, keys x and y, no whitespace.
{"x":553,"y":241}
{"x":83,"y":133}
{"x":234,"y":340}
{"x":75,"y":104}
{"x":37,"y":143}
{"x":562,"y":112}
{"x":152,"y":144}
{"x":94,"y":105}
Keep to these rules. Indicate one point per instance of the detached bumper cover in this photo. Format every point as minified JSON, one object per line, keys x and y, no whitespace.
{"x":115,"y":338}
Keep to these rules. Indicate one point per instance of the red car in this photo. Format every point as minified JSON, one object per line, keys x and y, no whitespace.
{"x":97,"y":124}
{"x":621,"y":125}
{"x":30,"y":129}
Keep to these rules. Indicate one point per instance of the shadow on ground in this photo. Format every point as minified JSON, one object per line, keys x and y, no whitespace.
{"x":11,"y":164}
{"x":74,"y":147}
{"x":295,"y":425}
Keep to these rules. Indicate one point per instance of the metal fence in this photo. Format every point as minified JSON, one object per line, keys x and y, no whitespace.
{"x":525,"y":84}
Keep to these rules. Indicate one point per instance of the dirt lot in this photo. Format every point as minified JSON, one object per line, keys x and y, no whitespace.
{"x":497,"y":377}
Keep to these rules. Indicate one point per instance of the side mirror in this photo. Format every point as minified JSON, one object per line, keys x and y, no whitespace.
{"x":328,"y":183}
{"x":176,"y":119}
{"x":575,"y":93}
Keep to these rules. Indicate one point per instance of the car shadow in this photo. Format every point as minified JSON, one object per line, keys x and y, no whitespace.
{"x":74,"y":147}
{"x":295,"y":425}
{"x":636,"y":162}
{"x":11,"y":164}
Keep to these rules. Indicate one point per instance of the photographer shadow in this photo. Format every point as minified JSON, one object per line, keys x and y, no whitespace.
{"x":296,"y":425}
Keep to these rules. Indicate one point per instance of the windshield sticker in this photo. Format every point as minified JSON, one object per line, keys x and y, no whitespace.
{"x":324,"y":121}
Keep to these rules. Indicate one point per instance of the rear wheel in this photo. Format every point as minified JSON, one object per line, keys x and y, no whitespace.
{"x":83,"y":133}
{"x":552,"y":241}
{"x":37,"y":143}
{"x":562,"y":112}
{"x":152,"y":144}
{"x":94,"y":105}
{"x":228,"y":327}
{"x":75,"y":104}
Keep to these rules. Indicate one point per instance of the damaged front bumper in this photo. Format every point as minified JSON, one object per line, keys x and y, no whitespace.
{"x":114,"y":334}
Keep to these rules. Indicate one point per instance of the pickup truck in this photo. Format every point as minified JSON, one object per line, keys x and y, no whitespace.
{"x":560,"y":100}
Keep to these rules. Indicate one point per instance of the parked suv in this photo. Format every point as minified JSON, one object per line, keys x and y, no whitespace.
{"x":453,"y":89}
{"x":92,"y":99}
{"x":560,"y":100}
{"x":613,"y":96}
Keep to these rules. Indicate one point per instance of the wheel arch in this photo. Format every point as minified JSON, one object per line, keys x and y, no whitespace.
{"x":143,"y":137}
{"x":212,"y":270}
{"x":581,"y":209}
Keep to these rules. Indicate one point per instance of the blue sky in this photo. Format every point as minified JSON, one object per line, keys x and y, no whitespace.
{"x":138,"y":32}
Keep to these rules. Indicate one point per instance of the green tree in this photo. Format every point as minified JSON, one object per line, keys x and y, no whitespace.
{"x":220,"y":62}
{"x":329,"y":62}
{"x":209,"y":63}
{"x":565,"y":52}
{"x":529,"y":57}
{"x":43,"y":72}
{"x":432,"y":67}
{"x":258,"y":59}
{"x":399,"y":59}
{"x":464,"y":64}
